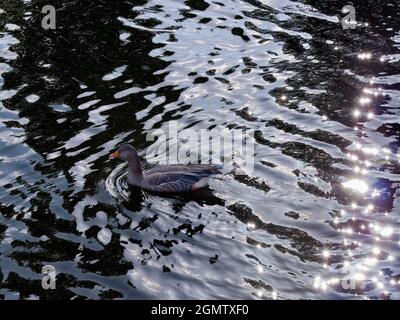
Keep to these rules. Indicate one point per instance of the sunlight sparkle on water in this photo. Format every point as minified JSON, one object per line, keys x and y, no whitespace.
{"x":357,"y":185}
{"x":376,"y":250}
{"x":370,"y":150}
{"x":365,"y":100}
{"x":364,"y":56}
{"x":371,"y":261}
{"x":353,"y":157}
{"x":348,"y":230}
{"x":386,"y":232}
{"x":251,"y":225}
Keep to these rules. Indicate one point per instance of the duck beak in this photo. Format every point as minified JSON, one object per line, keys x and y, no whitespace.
{"x":114,"y":155}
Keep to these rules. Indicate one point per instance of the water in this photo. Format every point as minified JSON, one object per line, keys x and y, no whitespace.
{"x":322,"y":101}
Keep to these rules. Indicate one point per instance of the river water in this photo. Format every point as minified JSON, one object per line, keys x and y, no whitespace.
{"x":316,"y":218}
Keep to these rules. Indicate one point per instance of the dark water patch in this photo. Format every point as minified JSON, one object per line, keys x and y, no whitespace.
{"x":318,"y":134}
{"x":306,"y":246}
{"x":253,"y":182}
{"x":292,"y":214}
{"x":112,"y":72}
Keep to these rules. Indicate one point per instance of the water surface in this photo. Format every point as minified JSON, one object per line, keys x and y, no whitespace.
{"x":321,"y":205}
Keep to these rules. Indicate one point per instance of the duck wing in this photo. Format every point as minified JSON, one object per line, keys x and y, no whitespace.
{"x":202,"y":169}
{"x":178,"y":178}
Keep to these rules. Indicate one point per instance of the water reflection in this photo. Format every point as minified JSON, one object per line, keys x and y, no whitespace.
{"x":317,"y":218}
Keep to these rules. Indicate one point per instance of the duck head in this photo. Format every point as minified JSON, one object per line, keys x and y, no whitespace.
{"x":128,"y":153}
{"x":125,"y":152}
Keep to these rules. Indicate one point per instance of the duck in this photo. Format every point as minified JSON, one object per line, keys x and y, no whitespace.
{"x":173,"y":178}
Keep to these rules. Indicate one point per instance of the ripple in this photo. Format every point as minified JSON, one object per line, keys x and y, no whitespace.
{"x":316,"y":218}
{"x":117,"y":183}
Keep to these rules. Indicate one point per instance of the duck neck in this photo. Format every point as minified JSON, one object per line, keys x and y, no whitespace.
{"x":135,"y":167}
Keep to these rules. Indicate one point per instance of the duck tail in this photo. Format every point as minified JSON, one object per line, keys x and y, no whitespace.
{"x":202,"y":183}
